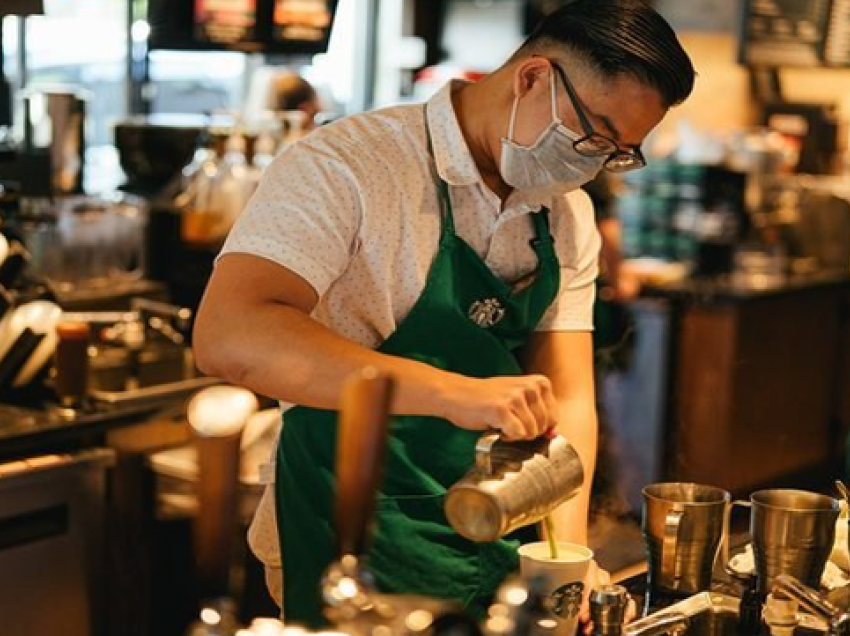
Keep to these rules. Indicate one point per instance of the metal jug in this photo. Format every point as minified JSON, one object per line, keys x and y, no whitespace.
{"x":684,"y":525}
{"x":54,"y":122}
{"x":512,"y":484}
{"x":792,"y":532}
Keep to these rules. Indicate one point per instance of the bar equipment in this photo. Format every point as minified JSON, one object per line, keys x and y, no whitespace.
{"x":85,"y":242}
{"x":608,"y":609}
{"x":71,"y":363}
{"x":27,"y":341}
{"x":217,"y":415}
{"x":837,"y":620}
{"x":54,"y":136}
{"x":512,"y":484}
{"x":351,"y":602}
{"x":683,"y":526}
{"x":792,"y":532}
{"x":52,"y":542}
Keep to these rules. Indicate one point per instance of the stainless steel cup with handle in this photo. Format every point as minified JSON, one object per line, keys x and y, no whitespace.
{"x":683,"y":526}
{"x":792,"y":532}
{"x":512,"y":484}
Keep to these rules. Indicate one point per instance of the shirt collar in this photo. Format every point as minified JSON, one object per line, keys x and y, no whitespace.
{"x":455,"y":164}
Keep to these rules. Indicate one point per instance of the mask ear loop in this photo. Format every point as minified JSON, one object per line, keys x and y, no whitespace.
{"x":512,"y":120}
{"x":554,"y":86}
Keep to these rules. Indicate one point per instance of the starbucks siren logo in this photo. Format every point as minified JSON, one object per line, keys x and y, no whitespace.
{"x":565,"y":601}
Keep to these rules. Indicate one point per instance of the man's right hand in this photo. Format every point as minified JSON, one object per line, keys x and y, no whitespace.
{"x":521,"y":407}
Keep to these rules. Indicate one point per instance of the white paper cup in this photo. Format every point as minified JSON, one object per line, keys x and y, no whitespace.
{"x":564,"y":576}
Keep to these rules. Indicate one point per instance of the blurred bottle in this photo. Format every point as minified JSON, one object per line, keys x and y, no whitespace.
{"x":235,"y":184}
{"x":203,"y":220}
{"x":294,"y":125}
{"x":264,"y":153}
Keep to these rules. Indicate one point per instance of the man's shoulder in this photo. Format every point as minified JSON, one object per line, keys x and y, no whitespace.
{"x":572,"y":216}
{"x":575,"y":204}
{"x":579,"y":201}
{"x":360,"y":145}
{"x":391,"y":124}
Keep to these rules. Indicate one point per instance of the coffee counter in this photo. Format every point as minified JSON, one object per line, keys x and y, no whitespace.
{"x":727,"y":289}
{"x":751,"y":383}
{"x":28,"y":431}
{"x":44,"y":464}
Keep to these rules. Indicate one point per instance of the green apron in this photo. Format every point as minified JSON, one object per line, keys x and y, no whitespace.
{"x":467,"y":321}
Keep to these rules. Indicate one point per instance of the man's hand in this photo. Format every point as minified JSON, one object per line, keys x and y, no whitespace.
{"x":595,"y":578}
{"x":521,"y":407}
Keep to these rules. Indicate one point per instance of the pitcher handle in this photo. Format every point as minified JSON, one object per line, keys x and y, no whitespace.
{"x":672,"y":524}
{"x":724,"y":537}
{"x":483,"y":448}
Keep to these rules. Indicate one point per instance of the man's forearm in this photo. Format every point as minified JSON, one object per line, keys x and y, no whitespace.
{"x":280,"y":351}
{"x":285,"y":354}
{"x":579,"y":426}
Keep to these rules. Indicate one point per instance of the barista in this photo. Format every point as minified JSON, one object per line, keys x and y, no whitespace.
{"x":448,"y":245}
{"x":293,"y":93}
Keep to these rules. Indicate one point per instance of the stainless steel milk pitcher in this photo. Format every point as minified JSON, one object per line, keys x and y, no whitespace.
{"x":512,"y":484}
{"x":683,"y":527}
{"x":792,"y":532}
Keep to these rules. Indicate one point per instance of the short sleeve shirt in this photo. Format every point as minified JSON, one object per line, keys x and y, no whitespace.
{"x":353,"y":209}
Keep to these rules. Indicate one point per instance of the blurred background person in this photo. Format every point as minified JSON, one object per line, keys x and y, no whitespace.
{"x":285,"y":95}
{"x":291,"y":92}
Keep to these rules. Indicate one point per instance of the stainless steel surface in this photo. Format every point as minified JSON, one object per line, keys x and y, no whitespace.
{"x":842,"y":489}
{"x":656,"y":624}
{"x":51,"y":544}
{"x":115,"y":369}
{"x":181,"y":315}
{"x":54,"y":121}
{"x":837,"y":620}
{"x":608,"y":609}
{"x":513,"y":484}
{"x":683,"y":526}
{"x":716,"y":614}
{"x":140,"y":357}
{"x":792,"y":532}
{"x":153,"y":394}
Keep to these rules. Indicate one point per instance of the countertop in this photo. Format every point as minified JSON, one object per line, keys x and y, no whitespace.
{"x":738,"y":288}
{"x":28,"y":430}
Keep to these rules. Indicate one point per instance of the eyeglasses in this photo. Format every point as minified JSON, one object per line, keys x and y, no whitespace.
{"x":594,"y":144}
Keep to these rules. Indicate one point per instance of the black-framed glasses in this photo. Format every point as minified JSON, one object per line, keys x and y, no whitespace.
{"x":595,"y":144}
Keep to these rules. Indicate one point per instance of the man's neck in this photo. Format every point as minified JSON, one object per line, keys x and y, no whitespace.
{"x":478,"y":116}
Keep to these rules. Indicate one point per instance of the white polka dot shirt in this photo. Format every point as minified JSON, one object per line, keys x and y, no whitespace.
{"x":353,"y":209}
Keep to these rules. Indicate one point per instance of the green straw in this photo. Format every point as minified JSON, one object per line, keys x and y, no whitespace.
{"x":550,"y":536}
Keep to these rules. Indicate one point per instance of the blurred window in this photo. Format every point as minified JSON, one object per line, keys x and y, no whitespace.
{"x":78,"y":45}
{"x":196,"y":81}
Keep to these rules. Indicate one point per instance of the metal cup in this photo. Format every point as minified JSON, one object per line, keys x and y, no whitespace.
{"x":792,"y":532}
{"x":683,"y":525}
{"x":513,"y":484}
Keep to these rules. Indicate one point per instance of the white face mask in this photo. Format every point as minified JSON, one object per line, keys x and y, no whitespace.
{"x":551,"y":166}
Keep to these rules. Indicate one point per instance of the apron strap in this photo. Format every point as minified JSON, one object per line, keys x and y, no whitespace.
{"x":446,"y":212}
{"x":542,"y":235}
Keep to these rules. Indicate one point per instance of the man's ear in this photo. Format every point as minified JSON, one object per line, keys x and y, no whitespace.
{"x":530,"y":72}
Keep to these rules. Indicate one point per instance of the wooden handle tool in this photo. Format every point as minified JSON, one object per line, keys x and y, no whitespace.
{"x":361,"y":447}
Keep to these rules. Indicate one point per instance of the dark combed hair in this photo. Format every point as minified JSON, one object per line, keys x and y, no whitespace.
{"x":620,"y":37}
